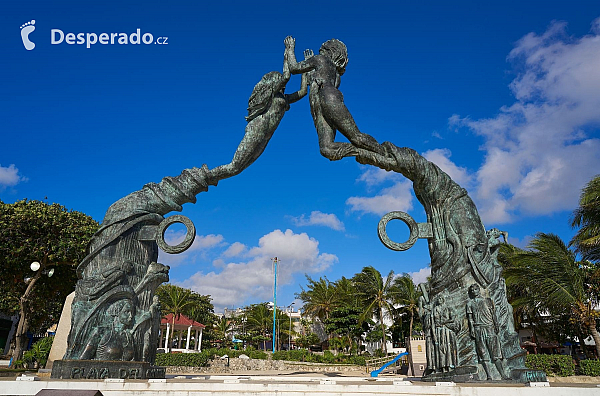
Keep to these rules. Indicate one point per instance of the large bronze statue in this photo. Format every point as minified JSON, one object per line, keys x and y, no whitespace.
{"x":115,"y":314}
{"x":462,"y":252}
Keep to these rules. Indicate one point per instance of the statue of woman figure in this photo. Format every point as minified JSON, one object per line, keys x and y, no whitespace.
{"x":444,"y":336}
{"x":428,"y":328}
{"x":327,"y":102}
{"x":266,"y":107}
{"x":117,"y":342}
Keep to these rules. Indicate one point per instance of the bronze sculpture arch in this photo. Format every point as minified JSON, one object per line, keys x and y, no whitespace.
{"x":467,"y":331}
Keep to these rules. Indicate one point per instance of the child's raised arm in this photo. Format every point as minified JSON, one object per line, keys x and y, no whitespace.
{"x":296,"y":96}
{"x":295,"y":67}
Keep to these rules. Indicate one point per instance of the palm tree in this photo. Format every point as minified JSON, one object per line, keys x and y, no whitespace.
{"x":259,"y":319}
{"x":556,"y":281}
{"x":176,"y":301}
{"x":407,"y":296}
{"x":222,"y":327}
{"x":587,"y":217}
{"x":377,"y":296}
{"x":319,"y":299}
{"x":527,"y":312}
{"x":345,"y":293}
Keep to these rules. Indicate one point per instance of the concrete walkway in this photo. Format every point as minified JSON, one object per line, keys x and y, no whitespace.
{"x":289,"y":384}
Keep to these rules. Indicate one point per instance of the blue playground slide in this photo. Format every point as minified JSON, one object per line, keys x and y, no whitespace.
{"x":375,"y":373}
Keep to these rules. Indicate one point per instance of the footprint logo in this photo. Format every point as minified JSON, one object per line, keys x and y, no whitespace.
{"x":27,"y":28}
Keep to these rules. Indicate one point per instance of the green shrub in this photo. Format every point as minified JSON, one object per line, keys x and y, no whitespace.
{"x":201,"y":359}
{"x":590,"y":367}
{"x":280,"y":355}
{"x":328,"y":357}
{"x":39,"y":352}
{"x":357,"y":360}
{"x":183,"y":359}
{"x":255,"y":354}
{"x":560,"y":365}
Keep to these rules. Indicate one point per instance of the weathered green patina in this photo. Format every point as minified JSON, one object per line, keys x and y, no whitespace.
{"x":115,"y":314}
{"x":467,"y":319}
{"x":462,"y":252}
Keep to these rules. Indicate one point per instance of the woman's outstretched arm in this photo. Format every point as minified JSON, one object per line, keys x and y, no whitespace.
{"x":296,"y":96}
{"x":295,"y":67}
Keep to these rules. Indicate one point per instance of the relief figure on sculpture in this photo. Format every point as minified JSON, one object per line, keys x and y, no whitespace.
{"x":483,"y":328}
{"x":446,"y":328}
{"x":426,"y":315}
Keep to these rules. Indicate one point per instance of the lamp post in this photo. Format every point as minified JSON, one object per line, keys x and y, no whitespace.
{"x":290,"y":333}
{"x":275,"y":262}
{"x":24,"y":304}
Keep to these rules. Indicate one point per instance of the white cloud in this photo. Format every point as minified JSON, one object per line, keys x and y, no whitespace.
{"x":252,"y":280}
{"x":9,"y":176}
{"x":235,"y":249}
{"x":396,"y":197}
{"x":441,"y":157}
{"x":421,"y":275}
{"x":373,"y":176}
{"x":201,"y":244}
{"x":542,"y":149}
{"x":319,"y":218}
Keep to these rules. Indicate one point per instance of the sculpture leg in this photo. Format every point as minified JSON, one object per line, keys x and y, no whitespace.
{"x":326,"y":132}
{"x":486,"y":367}
{"x":501,"y":366}
{"x":338,"y":116}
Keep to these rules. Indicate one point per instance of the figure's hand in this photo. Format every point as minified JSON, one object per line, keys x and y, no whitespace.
{"x":289,"y":42}
{"x":308,"y":53}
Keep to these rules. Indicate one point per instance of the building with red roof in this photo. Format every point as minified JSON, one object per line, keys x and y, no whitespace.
{"x":179,"y":330}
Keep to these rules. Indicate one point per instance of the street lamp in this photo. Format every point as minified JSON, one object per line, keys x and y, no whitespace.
{"x":290,"y":333}
{"x":35,"y":266}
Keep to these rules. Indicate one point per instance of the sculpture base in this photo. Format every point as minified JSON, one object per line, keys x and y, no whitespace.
{"x":528,"y":375}
{"x":101,"y":369}
{"x":459,"y":374}
{"x":469,"y":374}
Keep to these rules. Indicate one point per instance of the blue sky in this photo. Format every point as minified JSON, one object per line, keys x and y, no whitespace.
{"x":504,"y":97}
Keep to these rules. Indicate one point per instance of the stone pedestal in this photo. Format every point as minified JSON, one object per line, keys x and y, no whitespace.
{"x":470,"y":374}
{"x":59,"y":345}
{"x":99,"y":369}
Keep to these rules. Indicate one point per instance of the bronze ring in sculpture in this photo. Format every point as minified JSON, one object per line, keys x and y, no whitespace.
{"x":187,"y":241}
{"x":408,"y":220}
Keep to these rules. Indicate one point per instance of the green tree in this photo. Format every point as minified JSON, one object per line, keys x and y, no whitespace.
{"x":306,"y":340}
{"x":406,"y":295}
{"x":320,"y":298}
{"x":345,"y":322}
{"x":259,"y":324}
{"x":527,"y":313}
{"x":553,"y":278}
{"x":377,"y":296}
{"x":174,"y":300}
{"x":35,"y":231}
{"x":203,"y":311}
{"x":222,"y":328}
{"x":587,"y":218}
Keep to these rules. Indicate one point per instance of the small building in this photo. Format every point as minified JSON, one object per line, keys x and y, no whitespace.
{"x":180,"y":334}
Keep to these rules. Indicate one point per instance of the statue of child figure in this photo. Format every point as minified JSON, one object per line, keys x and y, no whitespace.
{"x":327,"y":102}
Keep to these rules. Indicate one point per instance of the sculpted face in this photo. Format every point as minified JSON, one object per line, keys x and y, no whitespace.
{"x":126,"y":315}
{"x":474,"y":291}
